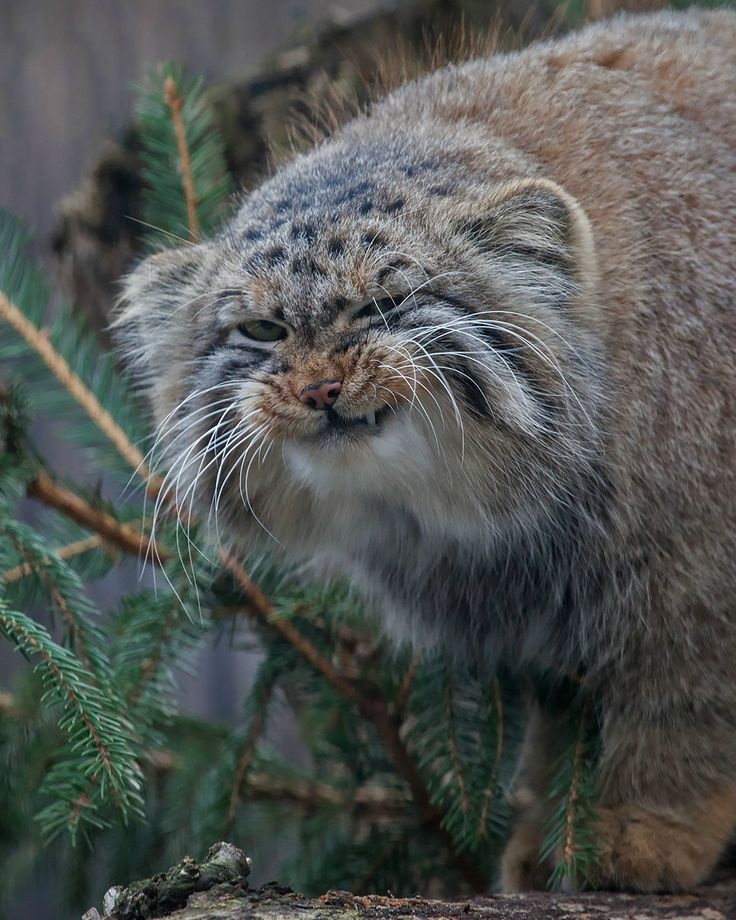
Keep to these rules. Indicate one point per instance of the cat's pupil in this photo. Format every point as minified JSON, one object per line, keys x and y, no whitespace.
{"x":262,"y":330}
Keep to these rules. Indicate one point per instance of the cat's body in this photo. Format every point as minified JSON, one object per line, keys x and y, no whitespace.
{"x":552,"y":479}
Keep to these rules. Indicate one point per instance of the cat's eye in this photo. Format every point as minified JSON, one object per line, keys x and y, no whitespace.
{"x":376,"y":308}
{"x":262,"y":330}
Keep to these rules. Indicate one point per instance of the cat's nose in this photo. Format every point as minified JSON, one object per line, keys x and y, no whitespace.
{"x":321,"y":395}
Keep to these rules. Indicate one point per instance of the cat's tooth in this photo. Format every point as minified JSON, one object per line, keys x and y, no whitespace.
{"x":370,"y":418}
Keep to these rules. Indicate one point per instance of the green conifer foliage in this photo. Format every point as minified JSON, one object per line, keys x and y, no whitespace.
{"x":406,"y":761}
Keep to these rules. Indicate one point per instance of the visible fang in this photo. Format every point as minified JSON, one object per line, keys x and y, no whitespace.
{"x":370,"y":418}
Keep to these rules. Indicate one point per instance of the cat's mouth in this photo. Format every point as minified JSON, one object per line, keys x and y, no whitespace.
{"x":370,"y":423}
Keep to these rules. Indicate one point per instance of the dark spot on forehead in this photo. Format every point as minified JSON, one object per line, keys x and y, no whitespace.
{"x":440,"y":191}
{"x":392,"y":266}
{"x":251,"y":234}
{"x":304,"y":231}
{"x":411,"y":169}
{"x":335,"y":246}
{"x":274,"y":255}
{"x":306,"y":265}
{"x":394,"y":206}
{"x":366,"y":206}
{"x":281,"y":205}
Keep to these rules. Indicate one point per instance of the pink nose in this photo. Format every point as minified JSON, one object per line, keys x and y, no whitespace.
{"x":321,"y":395}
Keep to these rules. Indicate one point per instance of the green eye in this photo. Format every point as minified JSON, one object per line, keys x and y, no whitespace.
{"x":262,"y":330}
{"x":376,"y":308}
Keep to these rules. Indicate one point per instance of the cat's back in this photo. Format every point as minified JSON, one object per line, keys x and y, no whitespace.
{"x":604,"y":75}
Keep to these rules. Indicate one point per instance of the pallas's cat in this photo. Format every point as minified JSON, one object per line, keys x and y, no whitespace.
{"x":476,"y":352}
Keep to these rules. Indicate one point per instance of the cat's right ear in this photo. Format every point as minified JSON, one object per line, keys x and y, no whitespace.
{"x":156,"y":291}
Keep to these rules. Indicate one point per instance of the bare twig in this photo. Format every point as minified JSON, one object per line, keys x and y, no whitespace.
{"x":45,"y":490}
{"x":263,"y":609}
{"x":69,"y":551}
{"x":246,"y":757}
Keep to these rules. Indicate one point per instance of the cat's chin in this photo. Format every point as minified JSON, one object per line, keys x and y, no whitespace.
{"x":359,"y":457}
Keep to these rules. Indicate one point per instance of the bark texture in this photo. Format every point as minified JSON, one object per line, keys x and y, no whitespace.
{"x":217,"y":889}
{"x":717,"y":902}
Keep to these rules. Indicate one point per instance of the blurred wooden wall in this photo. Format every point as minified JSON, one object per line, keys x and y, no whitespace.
{"x":66,"y":68}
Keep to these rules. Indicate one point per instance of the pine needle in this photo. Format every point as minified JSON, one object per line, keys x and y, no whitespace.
{"x":71,"y":382}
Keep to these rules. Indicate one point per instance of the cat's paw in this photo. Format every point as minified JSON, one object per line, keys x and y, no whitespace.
{"x":644,"y":851}
{"x":521,"y":869}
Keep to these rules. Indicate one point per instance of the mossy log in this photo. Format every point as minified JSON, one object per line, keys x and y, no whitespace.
{"x":217,"y":889}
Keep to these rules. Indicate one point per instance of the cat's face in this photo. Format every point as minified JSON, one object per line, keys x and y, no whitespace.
{"x":368,"y":337}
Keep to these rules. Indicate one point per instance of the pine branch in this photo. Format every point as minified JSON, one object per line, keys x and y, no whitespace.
{"x":183,"y":158}
{"x":490,"y":786}
{"x":373,"y":708}
{"x":175,"y":103}
{"x":99,"y":739}
{"x":36,"y":564}
{"x":59,"y":367}
{"x":255,"y":730}
{"x":570,"y":839}
{"x":263,"y":609}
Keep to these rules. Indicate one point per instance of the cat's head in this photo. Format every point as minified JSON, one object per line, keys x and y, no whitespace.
{"x":376,"y":323}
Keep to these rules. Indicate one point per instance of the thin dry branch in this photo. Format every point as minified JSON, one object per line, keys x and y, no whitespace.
{"x":68,"y":551}
{"x":246,"y":758}
{"x":175,"y":103}
{"x":263,"y":609}
{"x":45,"y":490}
{"x":58,"y":366}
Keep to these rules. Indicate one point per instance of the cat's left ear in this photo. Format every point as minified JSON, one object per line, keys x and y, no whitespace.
{"x":539,"y":237}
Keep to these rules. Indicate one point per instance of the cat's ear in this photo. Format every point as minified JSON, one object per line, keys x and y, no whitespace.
{"x":157,"y":290}
{"x":539,"y":238}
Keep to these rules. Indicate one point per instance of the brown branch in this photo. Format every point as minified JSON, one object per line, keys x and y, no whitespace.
{"x":570,"y":846}
{"x":407,"y":682}
{"x":262,"y":608}
{"x":175,"y":103}
{"x":69,"y":551}
{"x":306,"y":793}
{"x":374,"y":709}
{"x":246,"y":758}
{"x":45,"y":490}
{"x":73,"y":384}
